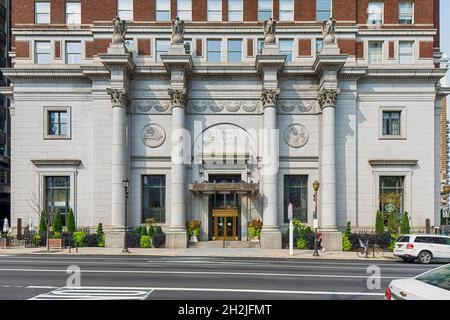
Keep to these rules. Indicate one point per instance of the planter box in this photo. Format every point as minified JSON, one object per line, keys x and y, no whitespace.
{"x":56,"y":243}
{"x":4,"y":243}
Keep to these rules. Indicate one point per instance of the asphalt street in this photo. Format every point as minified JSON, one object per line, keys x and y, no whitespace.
{"x":138,"y":277}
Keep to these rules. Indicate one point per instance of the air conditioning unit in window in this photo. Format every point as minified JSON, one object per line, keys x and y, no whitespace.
{"x":187,"y":47}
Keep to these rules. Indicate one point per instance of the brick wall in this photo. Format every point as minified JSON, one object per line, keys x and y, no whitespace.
{"x":359,"y":47}
{"x":144,"y":10}
{"x":96,"y":47}
{"x":22,"y":49}
{"x":344,"y":10}
{"x":224,"y":10}
{"x":305,"y":10}
{"x":199,"y":45}
{"x":57,"y":49}
{"x":423,"y":12}
{"x":58,"y":11}
{"x":304,"y":47}
{"x":391,"y":12}
{"x":426,"y":49}
{"x":144,"y":47}
{"x":199,"y":10}
{"x":173,"y":8}
{"x":347,"y":46}
{"x":362,"y":6}
{"x":250,"y":10}
{"x":249,"y":47}
{"x":391,"y":50}
{"x":22,"y":11}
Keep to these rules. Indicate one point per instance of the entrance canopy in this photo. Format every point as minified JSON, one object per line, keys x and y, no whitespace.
{"x":214,"y":187}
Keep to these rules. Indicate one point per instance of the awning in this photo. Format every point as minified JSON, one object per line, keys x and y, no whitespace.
{"x":211,"y":188}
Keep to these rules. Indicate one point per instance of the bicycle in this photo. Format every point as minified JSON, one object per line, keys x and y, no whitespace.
{"x":364,"y":250}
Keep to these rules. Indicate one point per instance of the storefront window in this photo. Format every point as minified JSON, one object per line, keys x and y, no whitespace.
{"x":296,"y":192}
{"x":154,"y":198}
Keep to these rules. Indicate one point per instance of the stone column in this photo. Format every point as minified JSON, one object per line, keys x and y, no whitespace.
{"x":118,"y":165}
{"x":177,"y":237}
{"x":270,"y":234}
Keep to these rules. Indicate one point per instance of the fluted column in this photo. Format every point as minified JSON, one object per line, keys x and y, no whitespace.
{"x":270,"y":234}
{"x":119,"y":152}
{"x":327,"y":101}
{"x":177,"y":237}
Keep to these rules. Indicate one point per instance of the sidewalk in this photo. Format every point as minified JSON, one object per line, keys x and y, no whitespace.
{"x":201,"y":252}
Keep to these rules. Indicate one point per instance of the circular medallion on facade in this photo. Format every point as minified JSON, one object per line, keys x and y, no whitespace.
{"x":233,"y":106}
{"x":296,"y":135}
{"x":153,"y":135}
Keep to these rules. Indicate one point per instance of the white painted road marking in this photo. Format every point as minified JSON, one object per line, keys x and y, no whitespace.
{"x":124,"y":293}
{"x":95,"y":293}
{"x":252,"y":274}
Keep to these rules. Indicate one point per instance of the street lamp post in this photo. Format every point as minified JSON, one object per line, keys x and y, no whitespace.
{"x":316,"y":186}
{"x":125,"y":184}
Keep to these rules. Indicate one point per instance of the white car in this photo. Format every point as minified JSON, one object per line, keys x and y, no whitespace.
{"x":431,"y":285}
{"x":423,"y":247}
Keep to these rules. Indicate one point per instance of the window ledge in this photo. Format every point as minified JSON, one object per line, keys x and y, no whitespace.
{"x":393,"y":137}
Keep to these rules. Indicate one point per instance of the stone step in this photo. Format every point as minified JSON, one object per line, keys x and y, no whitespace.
{"x":224,"y":244}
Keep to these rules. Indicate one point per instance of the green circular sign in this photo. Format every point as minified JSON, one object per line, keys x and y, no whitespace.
{"x":389,"y":208}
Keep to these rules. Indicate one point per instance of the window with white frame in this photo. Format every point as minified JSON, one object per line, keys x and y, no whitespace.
{"x":286,"y":48}
{"x":405,"y":12}
{"x":375,"y":12}
{"x":286,"y":10}
{"x":214,"y":51}
{"x":162,"y":47}
{"x":260,"y":45}
{"x":235,"y":10}
{"x":235,"y":50}
{"x":323,"y":9}
{"x":162,"y":10}
{"x":319,"y":46}
{"x":43,"y":52}
{"x":184,"y":10}
{"x":375,"y":52}
{"x":391,"y":122}
{"x":73,"y":52}
{"x":125,"y":9}
{"x":214,"y":8}
{"x":405,"y":52}
{"x":42,"y":12}
{"x":57,"y":123}
{"x":73,"y":12}
{"x":264,"y":10}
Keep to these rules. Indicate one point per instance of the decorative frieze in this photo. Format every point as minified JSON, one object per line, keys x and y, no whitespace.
{"x":118,"y":97}
{"x":296,"y":135}
{"x":327,"y":97}
{"x":177,"y":97}
{"x":297,"y":106}
{"x":269,"y":98}
{"x":225,"y":106}
{"x":150,"y":106}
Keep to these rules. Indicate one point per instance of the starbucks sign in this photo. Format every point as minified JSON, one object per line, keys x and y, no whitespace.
{"x":389,"y":208}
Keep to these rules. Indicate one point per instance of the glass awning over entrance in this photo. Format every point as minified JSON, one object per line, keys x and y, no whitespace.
{"x":215,"y":187}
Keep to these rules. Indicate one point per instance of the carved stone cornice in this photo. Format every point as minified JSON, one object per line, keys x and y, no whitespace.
{"x":269,"y":98}
{"x":118,"y":97}
{"x":177,"y":97}
{"x":327,"y":97}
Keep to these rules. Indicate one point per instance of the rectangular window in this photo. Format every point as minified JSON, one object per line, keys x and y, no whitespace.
{"x":235,"y":10}
{"x":129,"y":44}
{"x":234,"y":50}
{"x":214,"y":50}
{"x":162,"y":10}
{"x":286,"y":48}
{"x":73,"y":12}
{"x":43,"y":53}
{"x":375,"y":52}
{"x":57,"y":123}
{"x":405,"y":12}
{"x":264,"y":10}
{"x":260,"y":46}
{"x":392,"y":194}
{"x":154,"y":198}
{"x":319,"y":46}
{"x":125,"y":9}
{"x":214,"y":10}
{"x":73,"y":52}
{"x":188,"y":46}
{"x":42,"y":12}
{"x":184,"y":9}
{"x":57,"y":195}
{"x":405,"y":52}
{"x":323,"y":9}
{"x":162,"y":47}
{"x":375,"y":12}
{"x":391,"y":123}
{"x":286,"y":10}
{"x":296,"y":192}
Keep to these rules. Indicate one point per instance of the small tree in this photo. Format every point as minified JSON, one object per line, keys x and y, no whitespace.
{"x":43,"y":223}
{"x":100,"y":229}
{"x":393,"y":224}
{"x":405,"y":227}
{"x":70,"y":221}
{"x":144,"y":232}
{"x":57,"y":222}
{"x":379,"y":223}
{"x":348,"y":229}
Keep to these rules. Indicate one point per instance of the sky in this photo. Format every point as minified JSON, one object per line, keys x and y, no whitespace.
{"x":445,"y":30}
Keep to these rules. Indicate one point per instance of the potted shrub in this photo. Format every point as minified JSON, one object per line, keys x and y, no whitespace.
{"x":193,"y":228}
{"x":254,"y":230}
{"x":56,"y":241}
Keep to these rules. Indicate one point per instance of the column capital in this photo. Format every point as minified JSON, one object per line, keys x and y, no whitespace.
{"x":327,"y":97}
{"x":177,"y":97}
{"x":118,"y":97}
{"x":269,"y":97}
